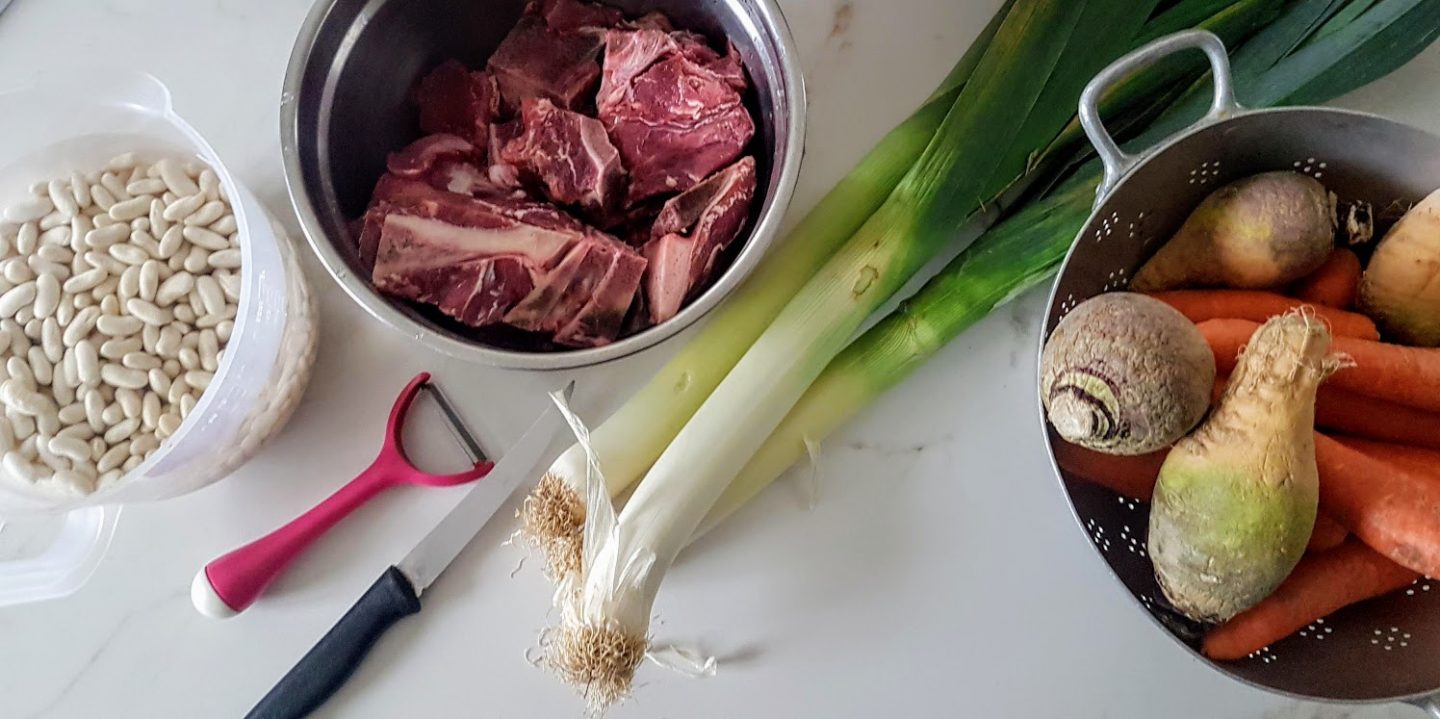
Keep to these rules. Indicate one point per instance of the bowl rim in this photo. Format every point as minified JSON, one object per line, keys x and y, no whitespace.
{"x":757,"y":240}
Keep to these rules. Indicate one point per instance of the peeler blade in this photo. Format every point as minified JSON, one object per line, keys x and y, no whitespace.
{"x":458,"y":429}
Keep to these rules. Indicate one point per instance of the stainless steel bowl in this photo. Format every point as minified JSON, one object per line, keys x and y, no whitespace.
{"x":344,"y":107}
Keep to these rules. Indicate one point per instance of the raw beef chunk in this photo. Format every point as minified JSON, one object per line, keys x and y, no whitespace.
{"x":573,"y":15}
{"x":487,"y":260}
{"x":455,"y":101}
{"x":535,"y":61}
{"x":502,"y":173}
{"x":568,"y":155}
{"x":417,"y":158}
{"x":689,"y":235}
{"x":674,"y":121}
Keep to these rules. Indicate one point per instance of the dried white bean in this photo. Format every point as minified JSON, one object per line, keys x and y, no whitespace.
{"x":177,"y":286}
{"x":58,"y":236}
{"x":196,"y":260}
{"x":113,"y":457}
{"x":23,"y":424}
{"x":17,"y":466}
{"x":182,"y":208}
{"x":148,"y":313}
{"x":18,"y":369}
{"x":71,"y":414}
{"x":80,"y":430}
{"x":103,"y":237}
{"x":113,"y":325}
{"x":170,"y":243}
{"x":51,"y":339}
{"x":112,"y":414}
{"x":32,"y":329}
{"x":95,"y":411}
{"x":209,"y":350}
{"x":47,"y":295}
{"x":135,"y":207}
{"x":143,"y":444}
{"x":111,"y":265}
{"x":159,"y":381}
{"x":41,"y":266}
{"x":211,"y":295}
{"x":150,"y":280}
{"x":199,"y":379}
{"x":25,"y":314}
{"x":178,"y":388}
{"x":139,"y":224}
{"x":119,"y":376}
{"x":87,"y":363}
{"x":209,"y":183}
{"x":112,"y":182}
{"x":203,"y":238}
{"x":62,"y":199}
{"x":131,"y":463}
{"x":208,"y":213}
{"x":158,"y":224}
{"x":51,"y":221}
{"x":225,"y":259}
{"x":17,"y":271}
{"x":40,"y":366}
{"x":129,"y":284}
{"x":129,"y":254}
{"x":129,"y":401}
{"x":28,"y":210}
{"x":27,"y":238}
{"x":146,"y":186}
{"x":21,"y":296}
{"x":86,"y":280}
{"x":75,"y":450}
{"x":25,"y":400}
{"x":168,"y":423}
{"x":189,"y":358}
{"x":224,"y":330}
{"x":141,"y":238}
{"x":124,"y":161}
{"x":103,"y":199}
{"x":56,"y":253}
{"x":224,"y":226}
{"x":184,"y":312}
{"x":175,"y":178}
{"x":80,"y":190}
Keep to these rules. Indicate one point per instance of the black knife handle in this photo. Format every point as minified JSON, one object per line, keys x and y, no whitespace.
{"x":326,"y":667}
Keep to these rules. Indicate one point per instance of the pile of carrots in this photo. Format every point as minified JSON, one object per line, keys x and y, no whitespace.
{"x":1377,"y":447}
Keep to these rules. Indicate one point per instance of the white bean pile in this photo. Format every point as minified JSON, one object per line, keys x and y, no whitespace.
{"x":118,"y":292}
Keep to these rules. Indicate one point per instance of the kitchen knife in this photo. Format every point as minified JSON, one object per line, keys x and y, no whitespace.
{"x":396,"y":594}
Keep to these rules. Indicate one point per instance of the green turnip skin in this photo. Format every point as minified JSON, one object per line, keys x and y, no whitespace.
{"x":1259,"y":232}
{"x":1124,"y":373}
{"x":1235,"y":501}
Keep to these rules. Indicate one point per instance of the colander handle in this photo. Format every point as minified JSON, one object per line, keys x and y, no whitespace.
{"x":1117,"y":161}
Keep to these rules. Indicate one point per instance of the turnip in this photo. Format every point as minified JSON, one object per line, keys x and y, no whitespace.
{"x":1235,"y":502}
{"x":1401,"y":288}
{"x":1124,"y":373}
{"x":1260,"y":232}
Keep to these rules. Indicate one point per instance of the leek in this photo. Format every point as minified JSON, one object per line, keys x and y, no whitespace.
{"x":627,"y":443}
{"x":1023,"y":250}
{"x":1041,"y":56}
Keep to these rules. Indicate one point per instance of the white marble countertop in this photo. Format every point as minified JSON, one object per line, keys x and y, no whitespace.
{"x":938,"y":574}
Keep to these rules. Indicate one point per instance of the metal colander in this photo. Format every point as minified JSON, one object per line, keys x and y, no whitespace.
{"x":1386,"y":649}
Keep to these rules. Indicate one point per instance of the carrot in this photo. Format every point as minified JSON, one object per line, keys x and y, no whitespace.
{"x":1335,"y":284}
{"x":1396,"y":512}
{"x":1129,"y":476}
{"x":1406,"y":375}
{"x":1327,"y":534}
{"x":1321,"y":584}
{"x":1418,"y":461}
{"x":1346,"y":412}
{"x":1355,"y":415}
{"x":1258,"y":306}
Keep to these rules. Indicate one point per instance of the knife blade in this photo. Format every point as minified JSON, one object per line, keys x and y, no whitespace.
{"x":396,"y":594}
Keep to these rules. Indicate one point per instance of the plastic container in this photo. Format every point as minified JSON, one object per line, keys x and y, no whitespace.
{"x":74,"y":122}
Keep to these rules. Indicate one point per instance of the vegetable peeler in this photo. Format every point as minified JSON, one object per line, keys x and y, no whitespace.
{"x":228,"y":585}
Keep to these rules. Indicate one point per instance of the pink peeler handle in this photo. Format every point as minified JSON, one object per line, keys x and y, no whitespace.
{"x":231,"y":583}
